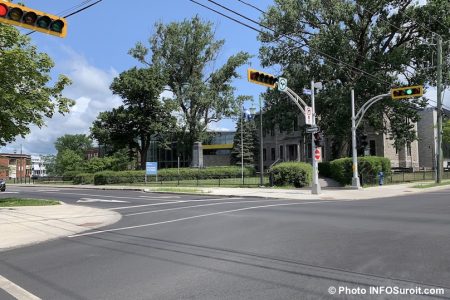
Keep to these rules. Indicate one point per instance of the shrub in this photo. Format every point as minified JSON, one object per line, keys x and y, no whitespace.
{"x":298,"y":174}
{"x":368,"y":167}
{"x":111,"y":177}
{"x":83,"y":178}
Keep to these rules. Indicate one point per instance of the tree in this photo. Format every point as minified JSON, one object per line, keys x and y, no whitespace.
{"x":369,"y":46}
{"x":250,"y":143}
{"x":446,"y":132}
{"x":68,"y":160}
{"x":78,"y":143}
{"x":187,"y":51}
{"x":25,"y":95}
{"x":49,"y":161}
{"x":143,"y":114}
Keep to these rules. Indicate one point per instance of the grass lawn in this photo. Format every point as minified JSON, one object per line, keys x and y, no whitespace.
{"x":9,"y":202}
{"x":432,"y":184}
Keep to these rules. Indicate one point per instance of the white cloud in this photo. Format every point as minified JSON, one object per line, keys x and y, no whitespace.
{"x":90,"y":90}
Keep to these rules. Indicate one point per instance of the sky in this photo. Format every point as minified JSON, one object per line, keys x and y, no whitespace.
{"x":96,"y":50}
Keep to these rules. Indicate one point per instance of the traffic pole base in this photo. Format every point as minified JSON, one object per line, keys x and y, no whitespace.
{"x":355,"y":183}
{"x":316,"y":190}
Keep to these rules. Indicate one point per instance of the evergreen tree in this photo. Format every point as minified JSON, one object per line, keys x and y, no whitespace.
{"x":250,"y":142}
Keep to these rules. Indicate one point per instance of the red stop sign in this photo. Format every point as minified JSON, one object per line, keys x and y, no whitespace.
{"x":317,"y":154}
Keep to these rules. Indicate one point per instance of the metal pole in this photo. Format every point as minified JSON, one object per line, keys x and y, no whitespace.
{"x":439,"y":112}
{"x":261,"y":148}
{"x":242,"y":149}
{"x":316,"y":185}
{"x":355,"y":178}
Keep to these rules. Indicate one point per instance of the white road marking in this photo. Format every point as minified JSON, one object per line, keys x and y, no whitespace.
{"x":143,"y":205}
{"x":48,"y":190}
{"x":15,"y":290}
{"x":104,"y":196}
{"x":160,"y":197}
{"x":8,"y":192}
{"x":193,"y":217}
{"x":172,"y":202}
{"x":200,"y":205}
{"x":88,"y":200}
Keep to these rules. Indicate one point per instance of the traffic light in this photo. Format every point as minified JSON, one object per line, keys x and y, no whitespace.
{"x":262,"y":78}
{"x":318,"y":139}
{"x":407,"y":92}
{"x":18,"y":15}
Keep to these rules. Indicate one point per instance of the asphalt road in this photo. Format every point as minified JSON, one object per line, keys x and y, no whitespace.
{"x":205,"y":247}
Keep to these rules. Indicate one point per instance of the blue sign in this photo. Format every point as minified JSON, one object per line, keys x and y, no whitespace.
{"x":307,"y":92}
{"x":151,"y":168}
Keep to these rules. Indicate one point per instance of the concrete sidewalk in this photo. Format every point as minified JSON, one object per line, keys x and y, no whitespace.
{"x":28,"y":225}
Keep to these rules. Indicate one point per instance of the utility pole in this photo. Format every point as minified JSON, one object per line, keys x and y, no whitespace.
{"x":315,"y":185}
{"x":439,"y":112}
{"x":355,"y":179}
{"x":242,"y":146}
{"x":261,"y":148}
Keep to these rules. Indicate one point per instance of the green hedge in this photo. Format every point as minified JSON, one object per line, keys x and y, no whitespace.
{"x":368,"y":167}
{"x":112,"y":177}
{"x":325,"y":169}
{"x":298,"y":174}
{"x":83,"y":178}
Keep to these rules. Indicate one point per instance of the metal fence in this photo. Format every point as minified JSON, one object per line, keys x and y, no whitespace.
{"x":403,"y":177}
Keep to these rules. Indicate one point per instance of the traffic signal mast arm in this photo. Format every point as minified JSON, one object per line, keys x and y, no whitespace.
{"x":366,"y":106}
{"x":296,"y":99}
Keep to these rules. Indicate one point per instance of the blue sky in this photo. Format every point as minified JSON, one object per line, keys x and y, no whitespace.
{"x":96,"y":50}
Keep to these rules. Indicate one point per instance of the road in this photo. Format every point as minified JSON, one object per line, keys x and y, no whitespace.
{"x":204,"y":247}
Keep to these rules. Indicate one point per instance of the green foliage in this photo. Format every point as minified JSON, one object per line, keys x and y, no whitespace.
{"x":346,"y":41}
{"x":250,"y":143}
{"x":78,"y":143}
{"x":325,"y":169}
{"x":68,"y":160}
{"x":446,"y":132}
{"x":298,"y":174}
{"x":368,"y":167}
{"x":187,"y":51}
{"x":26,"y":98}
{"x":110,"y":177}
{"x":83,"y":178}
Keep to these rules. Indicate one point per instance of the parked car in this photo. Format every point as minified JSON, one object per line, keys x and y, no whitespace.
{"x":2,"y":185}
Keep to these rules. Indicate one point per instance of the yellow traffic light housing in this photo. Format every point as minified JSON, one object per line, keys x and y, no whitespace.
{"x":407,"y":92}
{"x":261,"y":78}
{"x":32,"y":19}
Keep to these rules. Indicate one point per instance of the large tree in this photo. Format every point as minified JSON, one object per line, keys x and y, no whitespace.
{"x":26,"y":97}
{"x":142,"y":115}
{"x":188,"y":52}
{"x":369,"y":46}
{"x":78,"y":143}
{"x":249,"y":140}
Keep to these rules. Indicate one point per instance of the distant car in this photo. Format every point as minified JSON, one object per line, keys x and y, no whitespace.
{"x":2,"y":185}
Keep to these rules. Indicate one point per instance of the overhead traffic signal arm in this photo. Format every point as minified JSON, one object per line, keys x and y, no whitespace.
{"x":18,"y":15}
{"x":261,"y":78}
{"x":407,"y":92}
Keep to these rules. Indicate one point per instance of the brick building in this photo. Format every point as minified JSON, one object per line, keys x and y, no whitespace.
{"x":15,"y":165}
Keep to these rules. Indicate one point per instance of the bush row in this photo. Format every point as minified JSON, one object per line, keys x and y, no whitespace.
{"x":368,"y":167}
{"x":117,"y":177}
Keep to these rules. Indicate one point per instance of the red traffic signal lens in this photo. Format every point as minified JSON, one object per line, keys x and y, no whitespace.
{"x":57,"y":26}
{"x":43,"y":22}
{"x":15,"y":14}
{"x":3,"y":10}
{"x":30,"y":18}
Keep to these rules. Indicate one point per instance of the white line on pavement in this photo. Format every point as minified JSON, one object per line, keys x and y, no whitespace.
{"x":200,"y":205}
{"x":160,"y":197}
{"x":143,"y":205}
{"x":9,"y":192}
{"x":193,"y":217}
{"x":107,"y":196}
{"x":15,"y":290}
{"x":88,"y":200}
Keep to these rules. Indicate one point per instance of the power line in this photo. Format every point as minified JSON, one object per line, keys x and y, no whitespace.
{"x":336,"y":60}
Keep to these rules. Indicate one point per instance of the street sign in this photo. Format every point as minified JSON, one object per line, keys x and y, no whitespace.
{"x":307,"y":92}
{"x":308,"y":115}
{"x":151,"y":168}
{"x":317,"y":154}
{"x":282,"y":84}
{"x":313,"y":129}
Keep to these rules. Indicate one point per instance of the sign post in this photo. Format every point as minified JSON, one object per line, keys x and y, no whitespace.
{"x":151,"y":168}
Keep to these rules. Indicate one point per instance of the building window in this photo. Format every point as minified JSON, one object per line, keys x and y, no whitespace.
{"x":272,"y":153}
{"x":264,"y":154}
{"x":373,"y":150}
{"x":408,"y":149}
{"x":281,"y":152}
{"x":295,"y":124}
{"x":272,"y":131}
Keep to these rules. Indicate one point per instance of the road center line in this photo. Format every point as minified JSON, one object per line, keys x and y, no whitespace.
{"x":15,"y":290}
{"x":193,"y":217}
{"x":200,"y":205}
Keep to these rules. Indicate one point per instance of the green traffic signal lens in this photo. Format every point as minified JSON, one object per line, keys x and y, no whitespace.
{"x":15,"y":14}
{"x":409,"y":92}
{"x":57,"y":26}
{"x":44,"y":22}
